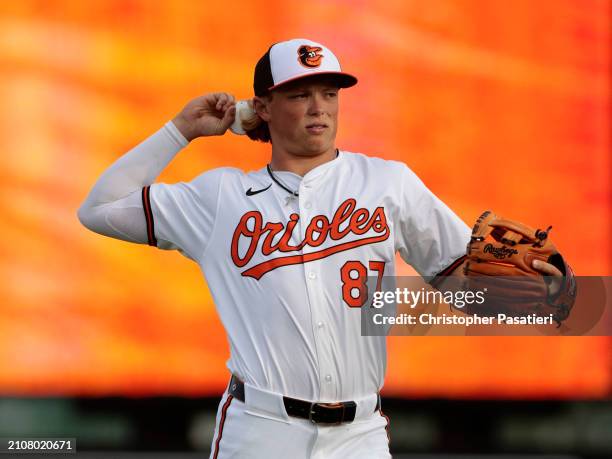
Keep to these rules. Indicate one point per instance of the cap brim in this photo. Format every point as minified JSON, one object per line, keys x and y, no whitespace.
{"x":345,"y":80}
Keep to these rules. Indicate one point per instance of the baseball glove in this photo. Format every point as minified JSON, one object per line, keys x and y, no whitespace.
{"x":499,"y":258}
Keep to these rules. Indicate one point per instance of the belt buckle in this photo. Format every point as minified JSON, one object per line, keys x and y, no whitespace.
{"x":333,"y":406}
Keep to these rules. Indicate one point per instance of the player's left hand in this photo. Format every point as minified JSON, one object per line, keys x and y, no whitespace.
{"x":556,"y":276}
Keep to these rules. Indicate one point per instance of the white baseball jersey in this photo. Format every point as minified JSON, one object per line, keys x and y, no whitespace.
{"x":285,"y":271}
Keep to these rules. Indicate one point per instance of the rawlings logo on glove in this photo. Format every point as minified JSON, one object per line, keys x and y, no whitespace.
{"x":499,"y":252}
{"x":513,"y":286}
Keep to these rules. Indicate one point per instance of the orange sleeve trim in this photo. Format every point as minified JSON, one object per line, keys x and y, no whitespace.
{"x":146,"y":205}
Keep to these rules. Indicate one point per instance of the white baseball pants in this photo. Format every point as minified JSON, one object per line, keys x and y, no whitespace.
{"x":261,"y":428}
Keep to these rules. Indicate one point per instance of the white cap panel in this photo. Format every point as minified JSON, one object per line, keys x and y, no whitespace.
{"x":300,"y":57}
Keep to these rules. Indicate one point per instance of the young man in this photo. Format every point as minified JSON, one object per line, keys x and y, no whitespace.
{"x":285,"y":251}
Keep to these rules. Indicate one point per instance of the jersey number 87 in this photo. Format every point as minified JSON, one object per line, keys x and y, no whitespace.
{"x":354,"y":277}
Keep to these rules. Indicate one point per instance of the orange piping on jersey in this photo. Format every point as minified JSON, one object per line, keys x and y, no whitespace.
{"x":222,"y":423}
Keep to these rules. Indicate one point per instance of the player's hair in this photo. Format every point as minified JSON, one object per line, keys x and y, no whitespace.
{"x":256,"y":128}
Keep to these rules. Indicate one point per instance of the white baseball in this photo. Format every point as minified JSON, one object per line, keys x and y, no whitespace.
{"x":243,"y":112}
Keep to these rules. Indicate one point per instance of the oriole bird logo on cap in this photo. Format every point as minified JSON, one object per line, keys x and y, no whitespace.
{"x":309,"y":56}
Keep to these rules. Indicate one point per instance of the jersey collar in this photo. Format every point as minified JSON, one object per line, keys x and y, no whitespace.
{"x":294,"y":180}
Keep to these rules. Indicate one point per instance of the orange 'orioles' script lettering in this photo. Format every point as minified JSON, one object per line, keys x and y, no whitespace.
{"x":252,"y":228}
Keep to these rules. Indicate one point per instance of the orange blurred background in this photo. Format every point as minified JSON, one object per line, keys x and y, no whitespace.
{"x":494,"y":104}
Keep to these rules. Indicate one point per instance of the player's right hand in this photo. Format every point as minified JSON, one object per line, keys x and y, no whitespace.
{"x":207,"y":115}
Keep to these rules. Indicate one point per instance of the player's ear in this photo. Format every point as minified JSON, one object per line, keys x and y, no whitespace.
{"x":261,"y":107}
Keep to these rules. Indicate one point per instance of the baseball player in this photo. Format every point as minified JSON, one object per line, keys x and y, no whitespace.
{"x":286,"y":250}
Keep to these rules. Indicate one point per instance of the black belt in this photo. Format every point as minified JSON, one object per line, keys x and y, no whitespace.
{"x":318,"y":413}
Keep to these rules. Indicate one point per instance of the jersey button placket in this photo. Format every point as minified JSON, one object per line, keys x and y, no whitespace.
{"x":314,"y":286}
{"x":305,"y":217}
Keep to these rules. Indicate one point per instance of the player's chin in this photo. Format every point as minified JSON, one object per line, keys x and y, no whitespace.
{"x":320,"y":140}
{"x":317,"y":146}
